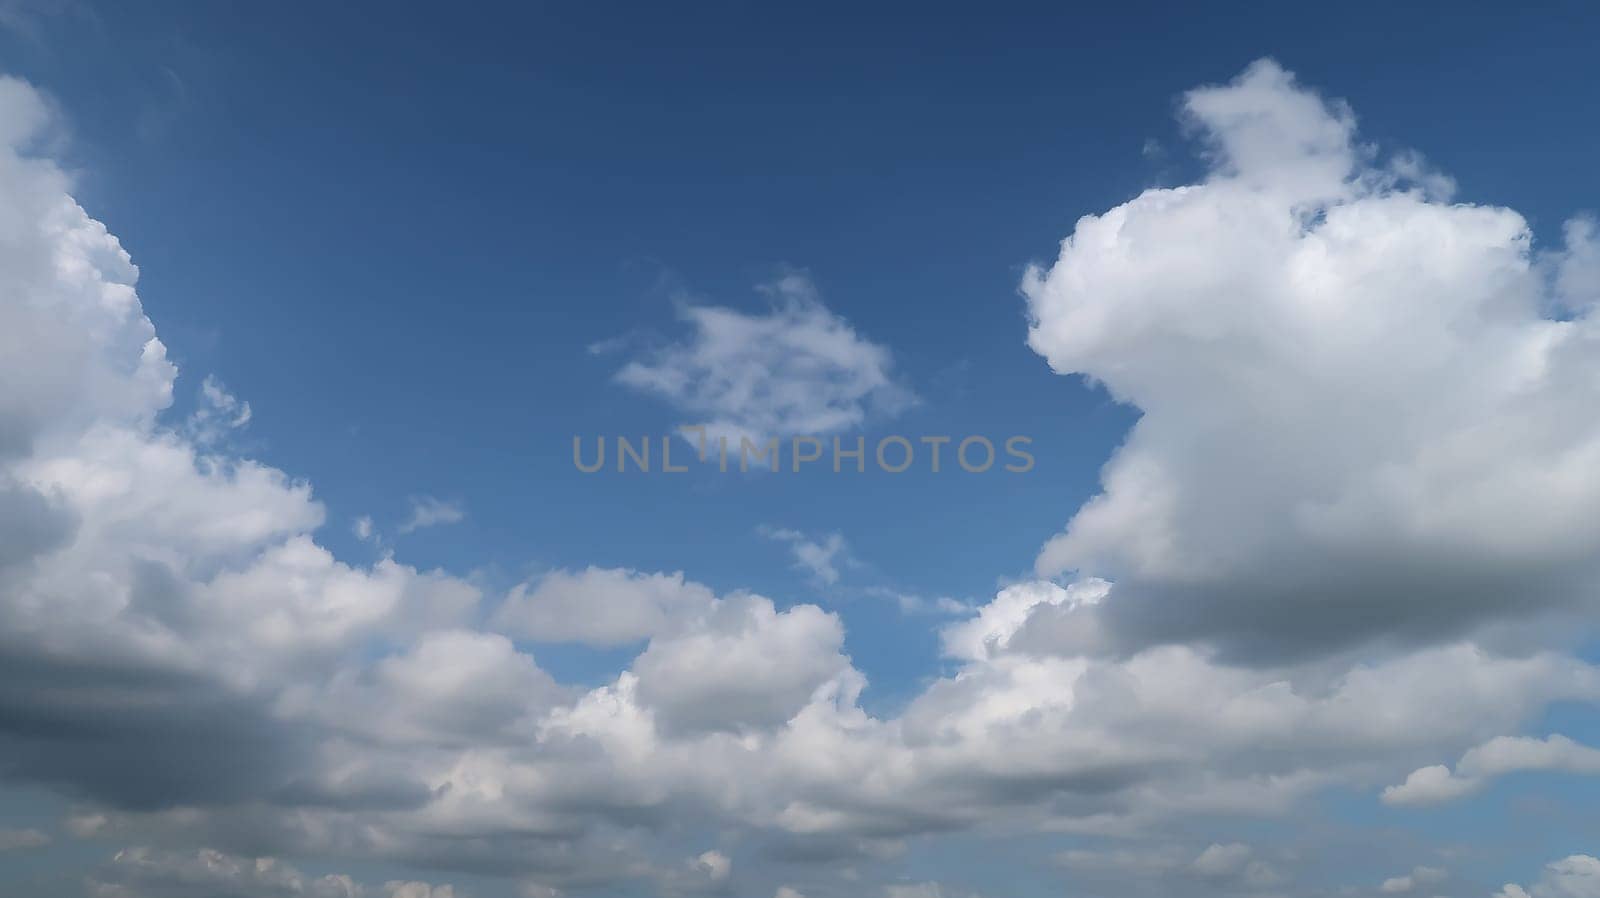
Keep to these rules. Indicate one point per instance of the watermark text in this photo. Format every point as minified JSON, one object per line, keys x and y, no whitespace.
{"x":893,"y":454}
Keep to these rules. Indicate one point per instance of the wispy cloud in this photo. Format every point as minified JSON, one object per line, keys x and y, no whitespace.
{"x":428,"y":511}
{"x":797,"y":369}
{"x":22,"y":839}
{"x":217,"y":414}
{"x":820,"y":557}
{"x":912,"y":603}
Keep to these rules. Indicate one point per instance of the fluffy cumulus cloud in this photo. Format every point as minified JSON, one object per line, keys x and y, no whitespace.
{"x":797,"y":369}
{"x":743,"y":664}
{"x":1222,"y":860}
{"x":599,"y":606}
{"x":1495,"y":758}
{"x":1575,"y":877}
{"x":1364,"y":442}
{"x":1359,"y":418}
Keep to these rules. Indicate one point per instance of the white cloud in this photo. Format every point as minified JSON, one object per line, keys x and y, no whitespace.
{"x":427,"y":511}
{"x":1577,"y":270}
{"x":912,"y":603}
{"x":991,"y":630}
{"x":716,"y":865}
{"x":216,"y":415}
{"x":450,"y":688}
{"x":600,"y":606}
{"x":153,"y":873}
{"x":1416,"y":879}
{"x":1222,"y":860}
{"x":1577,"y":876}
{"x":1236,"y":865}
{"x":75,"y":348}
{"x":1428,"y":785}
{"x":710,"y":872}
{"x":1357,"y":422}
{"x":1495,"y":758}
{"x":819,"y":557}
{"x":799,"y":369}
{"x":417,"y":890}
{"x":743,"y":664}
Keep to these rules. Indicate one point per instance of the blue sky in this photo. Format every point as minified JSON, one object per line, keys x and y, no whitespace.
{"x":396,"y":231}
{"x":422,"y":242}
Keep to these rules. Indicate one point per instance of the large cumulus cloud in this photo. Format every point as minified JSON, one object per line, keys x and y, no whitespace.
{"x":1362,"y":415}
